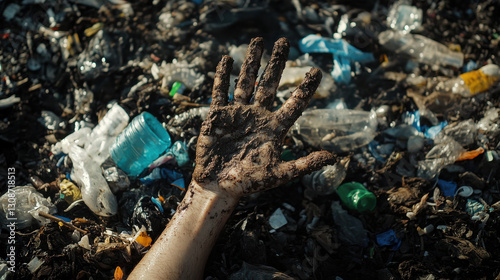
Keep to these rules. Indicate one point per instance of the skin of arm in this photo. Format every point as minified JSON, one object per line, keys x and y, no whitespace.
{"x":238,"y":153}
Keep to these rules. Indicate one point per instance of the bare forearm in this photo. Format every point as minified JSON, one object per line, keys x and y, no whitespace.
{"x":184,"y":246}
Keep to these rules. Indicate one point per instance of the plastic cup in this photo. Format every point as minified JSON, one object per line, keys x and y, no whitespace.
{"x":142,"y":141}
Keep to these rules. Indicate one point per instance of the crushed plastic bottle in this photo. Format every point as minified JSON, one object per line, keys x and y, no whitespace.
{"x":142,"y":141}
{"x":326,"y":180}
{"x":489,"y":122}
{"x":102,"y":136}
{"x":473,"y":82}
{"x":103,"y":55}
{"x":463,"y":132}
{"x":350,"y":229}
{"x":445,"y":152}
{"x":336,"y":130}
{"x":21,"y":205}
{"x":420,"y":48}
{"x":404,"y":17}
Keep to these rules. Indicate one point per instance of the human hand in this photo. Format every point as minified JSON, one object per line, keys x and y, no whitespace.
{"x":239,"y":146}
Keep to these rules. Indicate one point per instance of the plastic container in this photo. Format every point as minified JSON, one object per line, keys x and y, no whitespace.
{"x":326,"y":180}
{"x":143,"y":141}
{"x":336,"y":130}
{"x":102,"y":136}
{"x":474,"y":82}
{"x":420,"y":48}
{"x":355,"y":196}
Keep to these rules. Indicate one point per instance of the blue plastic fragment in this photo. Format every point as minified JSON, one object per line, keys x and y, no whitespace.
{"x":372,"y":147}
{"x":67,"y":220}
{"x":343,"y":54}
{"x":433,"y":131}
{"x":158,"y":203}
{"x":180,"y":184}
{"x":389,"y":238}
{"x":471,"y":65}
{"x":169,"y":175}
{"x":413,"y":119}
{"x":473,"y":207}
{"x":448,"y":188}
{"x":60,"y":161}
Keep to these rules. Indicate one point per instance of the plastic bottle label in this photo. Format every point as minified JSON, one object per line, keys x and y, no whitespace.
{"x":477,"y":81}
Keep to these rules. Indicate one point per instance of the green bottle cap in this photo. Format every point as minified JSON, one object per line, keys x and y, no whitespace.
{"x":177,"y":87}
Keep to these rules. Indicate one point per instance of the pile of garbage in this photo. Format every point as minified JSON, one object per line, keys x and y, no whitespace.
{"x":101,"y":104}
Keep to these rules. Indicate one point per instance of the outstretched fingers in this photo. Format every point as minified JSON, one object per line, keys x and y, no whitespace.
{"x":269,"y":82}
{"x":221,"y":81}
{"x":249,"y":70}
{"x":289,"y":170}
{"x":298,"y":102}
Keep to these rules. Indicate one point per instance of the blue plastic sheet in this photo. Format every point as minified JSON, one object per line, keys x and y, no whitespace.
{"x":448,"y":188}
{"x":389,"y":238}
{"x":413,"y":119}
{"x":171,"y":176}
{"x":343,"y":54}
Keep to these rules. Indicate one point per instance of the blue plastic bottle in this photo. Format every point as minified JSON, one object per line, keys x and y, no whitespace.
{"x":142,"y":141}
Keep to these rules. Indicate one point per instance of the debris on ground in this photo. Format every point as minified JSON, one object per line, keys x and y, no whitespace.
{"x":409,"y":102}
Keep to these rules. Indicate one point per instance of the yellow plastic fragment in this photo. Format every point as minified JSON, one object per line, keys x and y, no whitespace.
{"x":69,"y":191}
{"x":144,"y":239}
{"x":93,"y":29}
{"x":118,"y":273}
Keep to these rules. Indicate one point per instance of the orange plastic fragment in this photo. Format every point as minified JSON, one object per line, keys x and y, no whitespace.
{"x":470,"y":154}
{"x":118,"y":273}
{"x":144,"y":239}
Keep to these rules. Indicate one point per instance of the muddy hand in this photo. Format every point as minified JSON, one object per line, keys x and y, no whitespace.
{"x":240,"y":142}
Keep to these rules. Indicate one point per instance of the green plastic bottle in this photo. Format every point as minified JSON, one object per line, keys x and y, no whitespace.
{"x":355,"y":196}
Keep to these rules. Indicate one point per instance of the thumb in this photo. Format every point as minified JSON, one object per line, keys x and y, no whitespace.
{"x":287,"y":171}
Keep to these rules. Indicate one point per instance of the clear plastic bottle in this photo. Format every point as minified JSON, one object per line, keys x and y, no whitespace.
{"x":355,"y":196}
{"x":326,"y":180}
{"x":142,"y":141}
{"x":474,"y":82}
{"x":103,"y":135}
{"x":420,"y":48}
{"x":336,"y":130}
